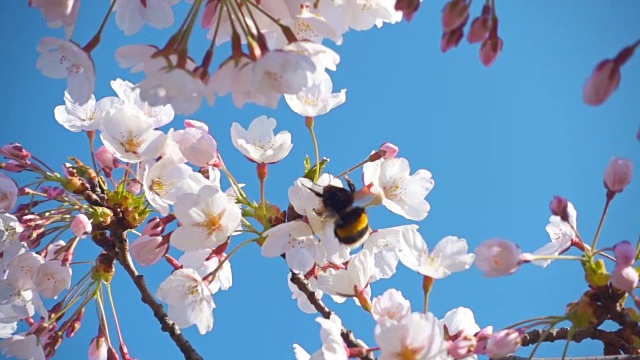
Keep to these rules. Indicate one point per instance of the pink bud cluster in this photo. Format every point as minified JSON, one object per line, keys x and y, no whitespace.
{"x":484,"y":29}
{"x":485,"y":342}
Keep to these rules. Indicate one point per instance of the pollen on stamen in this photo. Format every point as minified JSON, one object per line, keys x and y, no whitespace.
{"x":131,"y":144}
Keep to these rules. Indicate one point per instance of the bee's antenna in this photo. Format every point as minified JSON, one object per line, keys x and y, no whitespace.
{"x":352,"y":187}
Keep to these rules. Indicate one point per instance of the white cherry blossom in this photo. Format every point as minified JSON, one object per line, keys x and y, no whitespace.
{"x":164,"y":181}
{"x":8,"y":193}
{"x":391,"y":185}
{"x":52,"y":278}
{"x":333,"y":347}
{"x":189,"y":299}
{"x":296,"y":240}
{"x":84,"y":117}
{"x":59,"y":13}
{"x":364,"y":14}
{"x":175,"y":86}
{"x":498,"y":257}
{"x":197,"y":146}
{"x":131,"y":15}
{"x":148,"y":250}
{"x":258,"y":143}
{"x":449,"y":255}
{"x":204,"y":263}
{"x":158,"y":115}
{"x":23,"y":346}
{"x":10,"y":229}
{"x":22,"y":270}
{"x":131,"y":137}
{"x":17,"y":305}
{"x":283,"y":72}
{"x":344,"y":282}
{"x":316,"y":99}
{"x":561,"y":233}
{"x":61,"y":59}
{"x":417,"y":334}
{"x":382,"y":243}
{"x":390,"y":306}
{"x":322,"y":56}
{"x":208,"y":218}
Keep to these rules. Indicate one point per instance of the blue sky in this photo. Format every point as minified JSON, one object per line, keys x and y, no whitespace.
{"x":500,"y":142}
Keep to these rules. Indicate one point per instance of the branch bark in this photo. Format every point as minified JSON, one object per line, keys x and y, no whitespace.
{"x":166,"y":325}
{"x":347,"y":335}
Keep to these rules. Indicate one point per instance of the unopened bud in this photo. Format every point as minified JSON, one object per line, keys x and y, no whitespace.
{"x":81,"y":225}
{"x":15,"y":151}
{"x":388,"y":150}
{"x":451,"y":39}
{"x":455,"y":14}
{"x":625,"y":253}
{"x":13,"y":166}
{"x":618,"y":174}
{"x":559,"y":207}
{"x":134,"y":186}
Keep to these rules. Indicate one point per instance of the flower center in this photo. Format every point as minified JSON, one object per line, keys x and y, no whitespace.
{"x":407,"y":353}
{"x":131,"y":144}
{"x":211,"y":223}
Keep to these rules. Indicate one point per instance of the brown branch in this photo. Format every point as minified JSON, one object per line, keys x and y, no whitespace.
{"x":166,"y":325}
{"x":607,"y":338}
{"x":347,"y":335}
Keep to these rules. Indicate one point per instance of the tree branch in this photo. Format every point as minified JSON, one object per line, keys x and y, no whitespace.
{"x":606,"y":337}
{"x":347,"y":335}
{"x":166,"y":325}
{"x":617,"y":357}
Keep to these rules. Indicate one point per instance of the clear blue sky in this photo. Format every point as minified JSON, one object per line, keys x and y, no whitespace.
{"x":500,"y":143}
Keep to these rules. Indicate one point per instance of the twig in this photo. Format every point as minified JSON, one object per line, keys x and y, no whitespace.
{"x":606,"y":337}
{"x":167,"y":325}
{"x":616,"y":357}
{"x":347,"y":335}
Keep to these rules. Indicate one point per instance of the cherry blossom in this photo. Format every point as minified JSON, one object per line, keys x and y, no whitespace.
{"x":16,"y":304}
{"x":97,"y":348}
{"x":449,"y":255}
{"x":393,"y":187}
{"x":197,"y":146}
{"x":61,"y":59}
{"x":59,"y":13}
{"x":23,"y":346}
{"x":390,"y":306}
{"x":296,"y":240}
{"x":258,"y":143}
{"x":165,"y":180}
{"x":22,"y":270}
{"x":316,"y":99}
{"x":6,"y":330}
{"x":208,"y":218}
{"x":498,"y":257}
{"x":130,"y":136}
{"x":148,"y":250}
{"x":189,"y":299}
{"x":131,"y":15}
{"x":417,"y":335}
{"x":333,"y":346}
{"x":364,"y":14}
{"x":204,"y":263}
{"x":382,"y":243}
{"x":10,"y":244}
{"x":303,"y":302}
{"x":81,"y":225}
{"x":130,"y":95}
{"x":562,"y":234}
{"x":52,"y":277}
{"x":345,"y":282}
{"x":8,"y":193}
{"x":83,"y":117}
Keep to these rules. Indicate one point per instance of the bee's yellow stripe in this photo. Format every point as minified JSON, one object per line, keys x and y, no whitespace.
{"x":350,"y":230}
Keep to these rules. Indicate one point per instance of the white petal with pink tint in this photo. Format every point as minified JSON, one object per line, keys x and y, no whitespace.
{"x":61,"y":59}
{"x":52,"y":278}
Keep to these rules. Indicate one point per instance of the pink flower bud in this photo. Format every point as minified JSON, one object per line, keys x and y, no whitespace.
{"x":154,"y":227}
{"x":148,"y":250}
{"x":14,"y":166}
{"x":504,"y":342}
{"x":106,"y":159}
{"x":624,"y":278}
{"x":625,"y":253}
{"x":604,"y":80}
{"x":497,"y":257}
{"x":451,"y":39}
{"x":482,"y":337}
{"x":388,"y":150}
{"x":618,"y":174}
{"x":15,"y":151}
{"x":98,"y":348}
{"x":195,"y":124}
{"x":491,"y":48}
{"x":54,"y":192}
{"x":462,"y":347}
{"x":454,"y":14}
{"x":559,"y":207}
{"x":480,"y":26}
{"x":8,"y":193}
{"x":81,"y":225}
{"x":134,"y":186}
{"x":408,"y":8}
{"x":198,"y":147}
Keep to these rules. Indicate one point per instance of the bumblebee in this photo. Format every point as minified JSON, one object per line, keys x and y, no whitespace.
{"x":351,"y":225}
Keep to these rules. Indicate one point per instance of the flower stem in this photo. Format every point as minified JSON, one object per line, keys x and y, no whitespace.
{"x":427,"y":285}
{"x":95,"y":40}
{"x":212,"y":275}
{"x":115,"y":314}
{"x":604,"y":215}
{"x":309,"y":122}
